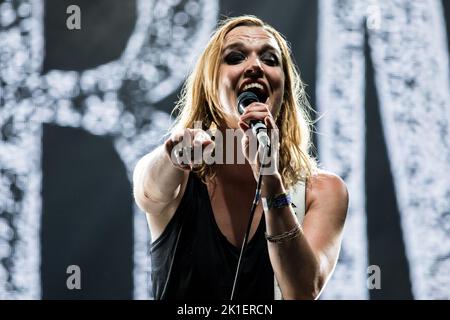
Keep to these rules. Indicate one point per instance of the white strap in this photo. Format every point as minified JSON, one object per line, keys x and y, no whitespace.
{"x":298,"y":194}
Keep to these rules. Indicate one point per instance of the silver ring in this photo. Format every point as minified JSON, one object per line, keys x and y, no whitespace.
{"x":184,"y":150}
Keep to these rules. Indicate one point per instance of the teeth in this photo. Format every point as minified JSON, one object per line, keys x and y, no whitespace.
{"x":253,"y":85}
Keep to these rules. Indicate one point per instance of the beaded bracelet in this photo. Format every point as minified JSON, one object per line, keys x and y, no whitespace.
{"x":285,"y":235}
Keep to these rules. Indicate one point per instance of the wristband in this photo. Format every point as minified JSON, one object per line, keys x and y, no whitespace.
{"x":278,"y":201}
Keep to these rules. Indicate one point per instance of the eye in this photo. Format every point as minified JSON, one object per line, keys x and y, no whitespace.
{"x":234,"y":57}
{"x":270,"y":59}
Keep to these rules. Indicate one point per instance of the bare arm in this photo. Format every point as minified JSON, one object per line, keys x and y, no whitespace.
{"x":158,"y":176}
{"x":303,"y":265}
{"x":156,"y":182}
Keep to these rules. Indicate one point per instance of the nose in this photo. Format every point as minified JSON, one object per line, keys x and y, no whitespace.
{"x":254,"y":68}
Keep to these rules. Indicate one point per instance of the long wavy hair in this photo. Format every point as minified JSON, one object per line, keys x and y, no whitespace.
{"x":199,"y":101}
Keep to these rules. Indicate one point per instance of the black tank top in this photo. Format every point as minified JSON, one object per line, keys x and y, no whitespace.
{"x":205,"y":261}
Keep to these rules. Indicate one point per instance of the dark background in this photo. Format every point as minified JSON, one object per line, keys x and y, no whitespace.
{"x":87,"y":200}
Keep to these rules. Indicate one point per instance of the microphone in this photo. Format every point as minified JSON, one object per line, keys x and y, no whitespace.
{"x":258,"y":127}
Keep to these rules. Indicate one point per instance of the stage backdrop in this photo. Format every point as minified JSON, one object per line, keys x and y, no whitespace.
{"x":86,"y":88}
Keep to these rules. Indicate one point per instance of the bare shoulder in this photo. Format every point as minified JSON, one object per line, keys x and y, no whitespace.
{"x":325,"y":187}
{"x":326,"y":181}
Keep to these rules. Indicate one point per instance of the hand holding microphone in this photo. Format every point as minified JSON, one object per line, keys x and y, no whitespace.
{"x":257,"y":117}
{"x":258,"y":127}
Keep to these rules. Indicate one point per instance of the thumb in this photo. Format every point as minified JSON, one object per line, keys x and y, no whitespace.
{"x":269,"y":122}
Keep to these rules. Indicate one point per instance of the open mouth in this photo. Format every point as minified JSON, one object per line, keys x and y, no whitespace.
{"x":257,"y":89}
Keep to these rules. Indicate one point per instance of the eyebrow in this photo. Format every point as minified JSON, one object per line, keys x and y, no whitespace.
{"x":238,"y":45}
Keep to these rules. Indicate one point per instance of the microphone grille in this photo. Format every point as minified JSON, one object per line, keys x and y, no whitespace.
{"x":244,"y":99}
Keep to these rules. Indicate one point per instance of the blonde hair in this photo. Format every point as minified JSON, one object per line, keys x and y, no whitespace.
{"x":199,"y":102}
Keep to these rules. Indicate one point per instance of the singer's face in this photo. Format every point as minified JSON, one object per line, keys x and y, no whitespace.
{"x":250,"y":60}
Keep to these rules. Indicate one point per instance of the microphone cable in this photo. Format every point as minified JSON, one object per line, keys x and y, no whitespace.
{"x":249,"y":225}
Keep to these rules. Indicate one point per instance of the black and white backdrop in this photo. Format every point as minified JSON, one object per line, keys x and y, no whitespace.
{"x":79,"y":107}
